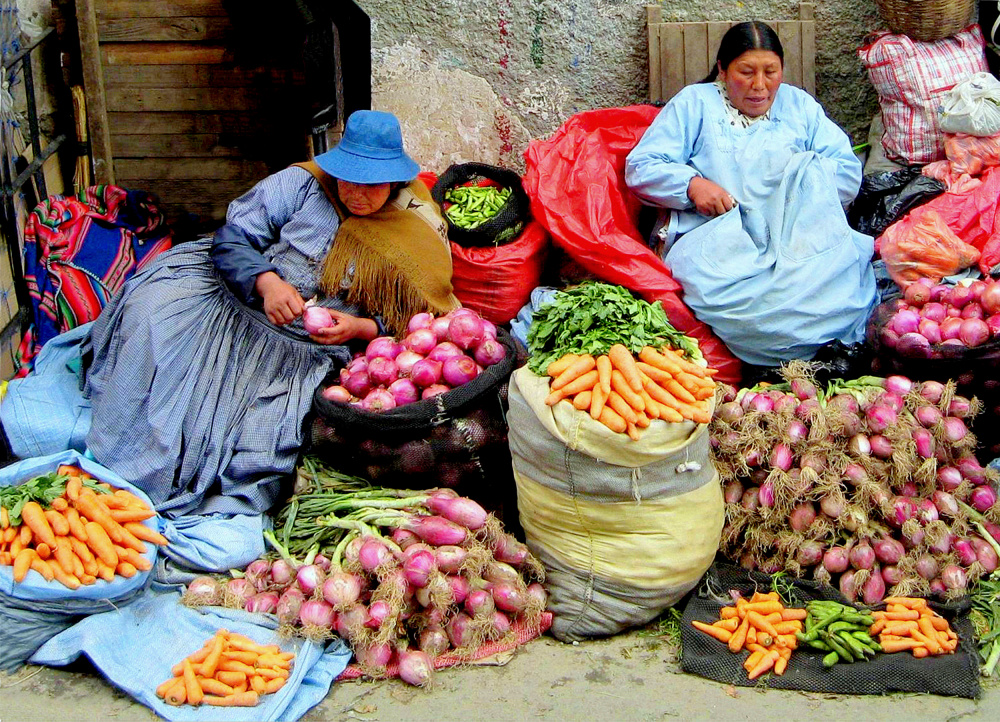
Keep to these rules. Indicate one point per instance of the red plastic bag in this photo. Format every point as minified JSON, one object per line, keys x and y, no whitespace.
{"x":921,"y":245}
{"x":576,"y":182}
{"x":496,"y":281}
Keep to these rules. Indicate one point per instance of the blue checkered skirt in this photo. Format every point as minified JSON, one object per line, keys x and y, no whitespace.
{"x":197,"y":399}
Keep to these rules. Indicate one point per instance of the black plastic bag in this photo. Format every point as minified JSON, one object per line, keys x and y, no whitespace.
{"x":508,"y":222}
{"x":886,"y":197}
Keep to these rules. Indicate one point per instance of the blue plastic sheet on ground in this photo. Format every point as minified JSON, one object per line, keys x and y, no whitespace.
{"x":135,"y":648}
{"x":45,"y":412}
{"x":213,"y":543}
{"x":34,"y":610}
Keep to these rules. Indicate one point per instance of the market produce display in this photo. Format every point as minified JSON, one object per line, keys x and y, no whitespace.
{"x":985,"y":615}
{"x":72,"y":528}
{"x":908,"y":624}
{"x":593,"y":317}
{"x":840,"y":631}
{"x":870,"y":484}
{"x":386,"y":569}
{"x":437,"y":355}
{"x":934,"y":319}
{"x":625,"y":394}
{"x":761,"y":625}
{"x":230,"y":670}
{"x":469,"y":206}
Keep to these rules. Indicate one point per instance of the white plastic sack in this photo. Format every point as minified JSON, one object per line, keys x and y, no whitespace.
{"x":972,"y":107}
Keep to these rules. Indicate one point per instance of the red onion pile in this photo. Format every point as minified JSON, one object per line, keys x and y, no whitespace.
{"x":870,"y":485}
{"x":404,"y":576}
{"x":933,"y":317}
{"x":437,"y":355}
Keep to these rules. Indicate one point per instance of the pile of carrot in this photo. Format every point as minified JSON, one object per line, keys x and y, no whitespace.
{"x":763,"y":626}
{"x":625,"y":394}
{"x":230,"y":670}
{"x":909,"y":625}
{"x":81,"y":537}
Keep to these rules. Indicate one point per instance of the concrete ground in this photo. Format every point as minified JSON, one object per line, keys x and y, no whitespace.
{"x":629,"y":677}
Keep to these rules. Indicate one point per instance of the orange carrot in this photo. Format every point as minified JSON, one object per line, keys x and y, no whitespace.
{"x":652,"y":408}
{"x":162,"y":690}
{"x":692,"y":368}
{"x":621,"y":407}
{"x":63,"y":577}
{"x":34,"y":518}
{"x":889,"y":646}
{"x":125,"y":569}
{"x":796,"y":614}
{"x":101,"y":544}
{"x":901,"y":616}
{"x":721,"y":634}
{"x":578,"y":368}
{"x":105,"y":572}
{"x":658,"y":375}
{"x":728,"y":613}
{"x":236,"y":699}
{"x":211,"y":663}
{"x":44,"y":568}
{"x":908,"y":602}
{"x":136,"y":559}
{"x":26,"y":536}
{"x":232,"y":665}
{"x":9,"y":533}
{"x":790,"y":627}
{"x":73,"y":488}
{"x":143,"y":532}
{"x":63,"y":554}
{"x":939,"y":623}
{"x":75,"y":524}
{"x":604,"y":373}
{"x":584,"y":382}
{"x":900,"y":628}
{"x":177,"y":694}
{"x":780,"y":665}
{"x":240,"y":655}
{"x":257,"y":684}
{"x":233,"y":679}
{"x":762,"y":607}
{"x":764,"y":665}
{"x":623,"y":360}
{"x":739,"y":637}
{"x":273,"y":685}
{"x":729,"y":625}
{"x":751,"y":637}
{"x":86,"y":556}
{"x":654,"y":358}
{"x":22,"y":563}
{"x":89,"y":507}
{"x":214,"y":686}
{"x":598,"y":397}
{"x":128,"y":540}
{"x":611,"y":419}
{"x":192,"y":689}
{"x":124,"y":515}
{"x":67,"y":470}
{"x":59,"y":504}
{"x":920,"y":652}
{"x":43,"y":551}
{"x":581,"y":401}
{"x":753,"y":659}
{"x":620,"y":386}
{"x":558,"y":366}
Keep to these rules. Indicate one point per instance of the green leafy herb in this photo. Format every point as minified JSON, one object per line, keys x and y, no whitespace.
{"x":592,"y":317}
{"x":44,"y":489}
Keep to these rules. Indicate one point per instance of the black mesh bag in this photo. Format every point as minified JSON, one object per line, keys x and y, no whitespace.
{"x":503,"y":227}
{"x":955,"y":675}
{"x":456,"y":439}
{"x":976,"y":371}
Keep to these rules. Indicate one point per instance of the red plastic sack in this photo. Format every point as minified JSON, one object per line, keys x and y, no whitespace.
{"x":496,"y":281}
{"x":576,"y":182}
{"x":972,"y":215}
{"x":921,"y":245}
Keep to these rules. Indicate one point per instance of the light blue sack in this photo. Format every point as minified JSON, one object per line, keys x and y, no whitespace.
{"x":33,"y":610}
{"x":782,"y":273}
{"x":136,"y":646}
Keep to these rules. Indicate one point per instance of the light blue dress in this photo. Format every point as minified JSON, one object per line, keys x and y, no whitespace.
{"x":782,"y":273}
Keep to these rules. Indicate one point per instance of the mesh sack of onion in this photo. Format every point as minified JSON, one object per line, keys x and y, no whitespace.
{"x":940,"y":332}
{"x":370,"y":419}
{"x":412,"y":580}
{"x":871,"y":485}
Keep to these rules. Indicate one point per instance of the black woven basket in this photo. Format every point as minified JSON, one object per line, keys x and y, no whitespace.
{"x":502,"y":227}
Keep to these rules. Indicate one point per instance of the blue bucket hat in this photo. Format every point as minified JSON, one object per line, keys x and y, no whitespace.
{"x":370,"y":151}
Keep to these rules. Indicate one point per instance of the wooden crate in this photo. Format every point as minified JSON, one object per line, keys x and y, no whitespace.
{"x":172,"y":111}
{"x":684,"y":53}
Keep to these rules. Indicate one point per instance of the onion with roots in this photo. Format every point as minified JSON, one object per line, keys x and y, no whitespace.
{"x":434,"y":641}
{"x":862,"y":556}
{"x":289,"y":604}
{"x":415,"y":667}
{"x":203,"y":591}
{"x":835,"y":560}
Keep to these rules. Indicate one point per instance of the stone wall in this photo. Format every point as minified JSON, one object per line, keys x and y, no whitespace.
{"x":493,"y":73}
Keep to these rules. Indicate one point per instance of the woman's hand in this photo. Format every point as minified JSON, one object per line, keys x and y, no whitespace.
{"x":345,"y":328}
{"x":282,"y":303}
{"x":710,"y":199}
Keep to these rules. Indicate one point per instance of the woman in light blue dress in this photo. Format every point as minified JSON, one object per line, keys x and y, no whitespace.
{"x":754,"y":179}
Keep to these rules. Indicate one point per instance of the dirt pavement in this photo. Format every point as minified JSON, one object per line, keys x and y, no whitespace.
{"x":629,"y":677}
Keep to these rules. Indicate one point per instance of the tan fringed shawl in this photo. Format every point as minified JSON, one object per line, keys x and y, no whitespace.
{"x":400,"y":256}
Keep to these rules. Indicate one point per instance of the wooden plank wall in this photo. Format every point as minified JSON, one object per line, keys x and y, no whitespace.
{"x":683,"y":53}
{"x":182,"y":118}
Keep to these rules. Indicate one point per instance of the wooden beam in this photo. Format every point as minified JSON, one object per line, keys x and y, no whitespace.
{"x":163,"y":29}
{"x":196,"y":76}
{"x":160,"y":9}
{"x":654,"y":15}
{"x":178,"y":123}
{"x":695,"y":52}
{"x":193,"y":169}
{"x":205,"y":191}
{"x":183,"y":99}
{"x":93,"y":85}
{"x":194,"y":145}
{"x":163,"y":53}
{"x":808,"y":34}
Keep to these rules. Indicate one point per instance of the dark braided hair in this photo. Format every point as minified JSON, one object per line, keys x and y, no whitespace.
{"x":751,"y":35}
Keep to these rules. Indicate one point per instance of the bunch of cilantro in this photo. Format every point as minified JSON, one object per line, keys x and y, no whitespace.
{"x":592,"y":317}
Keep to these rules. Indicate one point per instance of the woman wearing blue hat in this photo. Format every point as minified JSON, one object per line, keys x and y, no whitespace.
{"x":202,"y":372}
